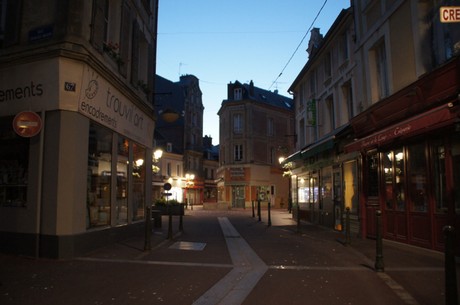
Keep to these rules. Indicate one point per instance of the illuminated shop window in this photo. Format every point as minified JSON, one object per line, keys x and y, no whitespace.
{"x":99,"y":176}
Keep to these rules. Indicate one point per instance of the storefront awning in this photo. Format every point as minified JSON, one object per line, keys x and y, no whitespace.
{"x":324,"y":144}
{"x":430,"y":120}
{"x":318,"y":147}
{"x":293,"y":157}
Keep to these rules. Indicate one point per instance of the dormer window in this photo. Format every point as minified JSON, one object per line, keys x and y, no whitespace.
{"x":238,"y":94}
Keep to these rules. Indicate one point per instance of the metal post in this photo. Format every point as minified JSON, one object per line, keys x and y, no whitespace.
{"x":148,"y":229}
{"x":290,"y":196}
{"x":298,"y":217}
{"x":258,"y":209}
{"x":450,"y":266}
{"x":170,"y":235}
{"x":347,"y":226}
{"x":269,"y":214}
{"x":181,"y":211}
{"x":379,"y":265}
{"x":253,"y":213}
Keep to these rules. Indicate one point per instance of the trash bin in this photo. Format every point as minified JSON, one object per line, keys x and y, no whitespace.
{"x":156,"y":215}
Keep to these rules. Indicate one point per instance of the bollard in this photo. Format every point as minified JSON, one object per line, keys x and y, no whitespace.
{"x":298,"y":217}
{"x":148,"y":229}
{"x":258,"y":210}
{"x":379,"y":266}
{"x":347,"y":226}
{"x":181,"y":212}
{"x":170,"y":235}
{"x":253,"y":213}
{"x":450,"y":272}
{"x":269,"y":215}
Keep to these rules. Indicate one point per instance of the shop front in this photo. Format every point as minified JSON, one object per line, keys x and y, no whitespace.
{"x":326,"y":182}
{"x":86,"y":175}
{"x":411,"y":166}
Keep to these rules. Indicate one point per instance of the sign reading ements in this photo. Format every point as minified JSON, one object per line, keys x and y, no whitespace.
{"x":449,"y":14}
{"x":27,"y":124}
{"x":103,"y":103}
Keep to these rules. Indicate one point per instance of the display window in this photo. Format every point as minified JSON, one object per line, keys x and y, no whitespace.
{"x":14,"y":166}
{"x":138,"y":181}
{"x":350,"y":186}
{"x":418,"y":179}
{"x":394,"y":179}
{"x":99,"y":176}
{"x":439,"y":179}
{"x":122,"y":181}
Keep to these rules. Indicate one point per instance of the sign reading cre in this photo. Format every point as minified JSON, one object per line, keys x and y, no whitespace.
{"x":27,"y":124}
{"x":449,"y":14}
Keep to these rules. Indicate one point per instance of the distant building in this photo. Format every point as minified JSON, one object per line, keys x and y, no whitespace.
{"x":256,"y":128}
{"x":85,"y":68}
{"x":183,"y":136}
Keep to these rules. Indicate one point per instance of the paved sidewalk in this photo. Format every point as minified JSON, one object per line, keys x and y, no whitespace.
{"x":124,"y":273}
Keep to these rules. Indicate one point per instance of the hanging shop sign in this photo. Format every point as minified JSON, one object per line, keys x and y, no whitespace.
{"x":27,"y":124}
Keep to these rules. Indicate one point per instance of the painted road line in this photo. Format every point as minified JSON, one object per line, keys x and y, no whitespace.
{"x":238,"y":283}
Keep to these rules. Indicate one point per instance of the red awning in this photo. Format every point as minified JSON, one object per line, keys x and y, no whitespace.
{"x":430,"y":120}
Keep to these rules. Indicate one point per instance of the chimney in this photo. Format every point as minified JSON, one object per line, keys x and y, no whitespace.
{"x":315,"y":40}
{"x":251,"y":88}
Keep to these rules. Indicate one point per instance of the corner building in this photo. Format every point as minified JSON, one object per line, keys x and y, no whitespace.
{"x":87,"y":69}
{"x":256,"y":126}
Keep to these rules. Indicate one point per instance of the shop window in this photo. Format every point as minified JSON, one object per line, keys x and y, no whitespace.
{"x":418,"y":185}
{"x":393,"y":173}
{"x":350,"y":186}
{"x":99,"y":176}
{"x":372,"y":175}
{"x":14,"y":166}
{"x":121,"y":204}
{"x":439,"y":178}
{"x":138,"y":181}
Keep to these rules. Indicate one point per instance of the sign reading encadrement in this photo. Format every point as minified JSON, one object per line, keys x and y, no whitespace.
{"x":100,"y":101}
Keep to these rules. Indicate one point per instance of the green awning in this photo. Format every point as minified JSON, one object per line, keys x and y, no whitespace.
{"x":293,"y":157}
{"x":318,"y":147}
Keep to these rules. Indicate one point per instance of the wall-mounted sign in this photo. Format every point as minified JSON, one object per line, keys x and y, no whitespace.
{"x":27,"y":124}
{"x":449,"y":14}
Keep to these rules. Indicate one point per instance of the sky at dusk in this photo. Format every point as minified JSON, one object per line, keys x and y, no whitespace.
{"x":222,"y":41}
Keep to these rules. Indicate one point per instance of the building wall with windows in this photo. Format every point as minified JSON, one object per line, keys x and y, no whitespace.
{"x":86,"y":68}
{"x":325,"y":102}
{"x":409,"y":73}
{"x":394,"y":147}
{"x":184,"y":135}
{"x":256,"y":126}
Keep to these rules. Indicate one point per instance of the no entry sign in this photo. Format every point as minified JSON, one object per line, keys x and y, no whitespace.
{"x":27,"y":124}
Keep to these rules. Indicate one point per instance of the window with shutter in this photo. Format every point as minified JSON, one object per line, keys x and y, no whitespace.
{"x":9,"y":22}
{"x":125,"y":34}
{"x":99,"y":23}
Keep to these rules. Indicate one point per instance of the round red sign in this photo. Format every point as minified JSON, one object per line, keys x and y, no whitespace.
{"x":27,"y":124}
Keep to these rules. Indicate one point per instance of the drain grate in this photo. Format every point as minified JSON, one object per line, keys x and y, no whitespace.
{"x":186,"y":245}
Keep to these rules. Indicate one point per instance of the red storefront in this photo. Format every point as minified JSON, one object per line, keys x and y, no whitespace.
{"x":410,"y":153}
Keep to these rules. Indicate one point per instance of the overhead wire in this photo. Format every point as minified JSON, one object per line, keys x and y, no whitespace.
{"x":295,"y":51}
